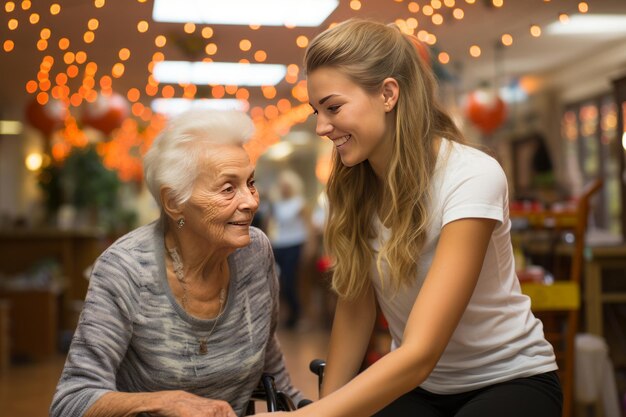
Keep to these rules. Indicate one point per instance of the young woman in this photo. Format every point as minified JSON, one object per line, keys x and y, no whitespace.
{"x":419,"y":224}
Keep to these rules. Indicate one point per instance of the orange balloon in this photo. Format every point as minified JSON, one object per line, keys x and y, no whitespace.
{"x":422,"y":49}
{"x":46,"y":118}
{"x":487,"y":112}
{"x":107,"y":113}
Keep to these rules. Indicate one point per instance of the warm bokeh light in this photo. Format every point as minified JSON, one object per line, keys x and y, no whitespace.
{"x":26,"y":4}
{"x":302,"y":41}
{"x":189,"y":27}
{"x":168,"y":91}
{"x":64,"y":43}
{"x":89,"y":36}
{"x":563,"y":18}
{"x":497,"y":3}
{"x":211,"y":49}
{"x":427,"y":10}
{"x":437,"y":19}
{"x":535,"y":31}
{"x":242,"y":94}
{"x":218,"y":91}
{"x":34,"y":18}
{"x":160,"y":41}
{"x":443,"y":57}
{"x":68,"y":57}
{"x":583,"y":7}
{"x":81,"y":57}
{"x":207,"y":32}
{"x":124,"y":54}
{"x":355,"y":5}
{"x":458,"y":13}
{"x":8,"y":45}
{"x":99,"y":3}
{"x":55,"y":9}
{"x":260,"y":56}
{"x":61,"y":78}
{"x":93,"y":24}
{"x":13,"y":24}
{"x":269,"y":92}
{"x":118,"y":70}
{"x":413,"y":7}
{"x":33,"y":161}
{"x":9,"y":6}
{"x":72,"y":71}
{"x":436,"y":4}
{"x":31,"y":86}
{"x":42,"y":98}
{"x":475,"y":51}
{"x":507,"y":39}
{"x":142,"y":26}
{"x":231,"y":89}
{"x":245,"y":45}
{"x":45,"y":33}
{"x":449,"y":3}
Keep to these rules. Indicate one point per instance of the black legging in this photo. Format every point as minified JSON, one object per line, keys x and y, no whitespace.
{"x":535,"y":396}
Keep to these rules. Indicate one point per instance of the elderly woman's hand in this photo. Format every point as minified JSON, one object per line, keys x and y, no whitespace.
{"x":184,"y":404}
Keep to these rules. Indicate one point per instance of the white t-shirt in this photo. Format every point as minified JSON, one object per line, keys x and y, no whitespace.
{"x":498,"y":338}
{"x":289,"y":226}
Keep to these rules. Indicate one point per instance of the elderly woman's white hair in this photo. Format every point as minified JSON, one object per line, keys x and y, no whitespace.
{"x":173,"y":158}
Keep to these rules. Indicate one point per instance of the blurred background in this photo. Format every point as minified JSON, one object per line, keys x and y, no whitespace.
{"x":85,"y":86}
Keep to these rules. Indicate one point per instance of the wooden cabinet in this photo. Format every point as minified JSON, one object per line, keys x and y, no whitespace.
{"x":36,"y":313}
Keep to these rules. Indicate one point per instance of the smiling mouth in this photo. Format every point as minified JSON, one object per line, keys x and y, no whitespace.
{"x":339,"y":142}
{"x":240,"y":223}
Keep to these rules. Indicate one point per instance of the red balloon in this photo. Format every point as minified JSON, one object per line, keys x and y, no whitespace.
{"x":422,"y":49}
{"x":46,"y":118}
{"x":486,"y":111}
{"x":107,"y":113}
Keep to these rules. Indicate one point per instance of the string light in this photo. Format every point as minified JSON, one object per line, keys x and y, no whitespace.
{"x":535,"y":31}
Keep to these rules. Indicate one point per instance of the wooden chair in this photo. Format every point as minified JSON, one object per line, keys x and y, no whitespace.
{"x":557,"y":304}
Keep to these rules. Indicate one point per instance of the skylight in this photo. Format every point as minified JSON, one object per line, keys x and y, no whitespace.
{"x":219,"y":73}
{"x":581,"y":24}
{"x":174,"y":106}
{"x":245,"y":12}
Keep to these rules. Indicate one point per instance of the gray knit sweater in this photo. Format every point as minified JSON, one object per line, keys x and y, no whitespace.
{"x":134,"y":337}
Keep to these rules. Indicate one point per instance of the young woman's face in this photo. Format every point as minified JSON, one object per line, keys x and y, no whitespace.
{"x":352,"y":118}
{"x":224,"y":198}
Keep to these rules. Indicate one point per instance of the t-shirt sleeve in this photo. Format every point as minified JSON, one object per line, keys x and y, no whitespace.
{"x":100,"y":341}
{"x":477,"y":189}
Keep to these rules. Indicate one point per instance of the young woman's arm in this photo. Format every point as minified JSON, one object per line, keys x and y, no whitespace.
{"x":352,"y":329}
{"x":442,"y":300}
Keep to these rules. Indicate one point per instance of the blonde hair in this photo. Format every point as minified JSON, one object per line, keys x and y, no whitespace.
{"x":367,"y":53}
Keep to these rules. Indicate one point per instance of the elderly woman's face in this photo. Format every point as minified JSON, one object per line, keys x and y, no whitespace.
{"x":224,"y":198}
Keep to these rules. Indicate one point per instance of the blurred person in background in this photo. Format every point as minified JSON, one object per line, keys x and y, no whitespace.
{"x":289,"y":231}
{"x":180,"y":315}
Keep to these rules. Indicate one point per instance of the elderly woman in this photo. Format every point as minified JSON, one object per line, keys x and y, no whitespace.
{"x":180,"y":315}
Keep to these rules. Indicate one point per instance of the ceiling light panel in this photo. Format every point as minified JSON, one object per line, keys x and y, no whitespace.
{"x":245,"y":12}
{"x":219,"y":73}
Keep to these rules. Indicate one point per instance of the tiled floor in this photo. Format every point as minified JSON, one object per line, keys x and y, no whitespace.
{"x":26,"y":390}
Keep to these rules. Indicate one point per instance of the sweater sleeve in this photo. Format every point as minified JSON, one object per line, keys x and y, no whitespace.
{"x":274,"y":360}
{"x":100,"y":341}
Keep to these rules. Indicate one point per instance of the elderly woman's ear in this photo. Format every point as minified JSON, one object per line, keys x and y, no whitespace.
{"x":169,"y":204}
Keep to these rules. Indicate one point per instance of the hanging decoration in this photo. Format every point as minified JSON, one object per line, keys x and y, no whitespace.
{"x":486,"y":110}
{"x":46,"y":117}
{"x":106,"y":113}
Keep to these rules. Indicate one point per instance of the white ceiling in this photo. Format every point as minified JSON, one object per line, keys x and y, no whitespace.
{"x":483,"y":25}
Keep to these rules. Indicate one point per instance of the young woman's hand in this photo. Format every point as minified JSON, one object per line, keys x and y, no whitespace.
{"x":184,"y":404}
